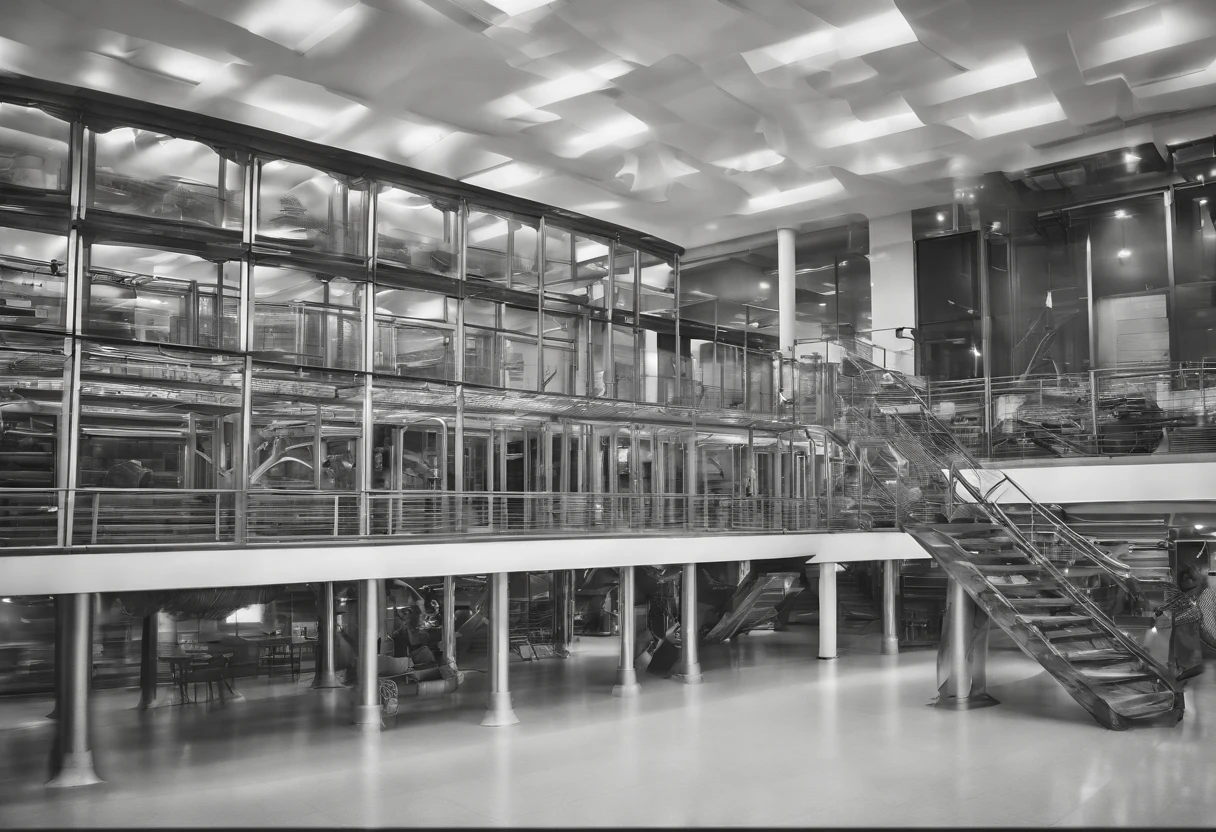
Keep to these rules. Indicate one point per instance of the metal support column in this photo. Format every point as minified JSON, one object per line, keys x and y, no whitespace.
{"x":325,"y":676}
{"x":690,"y":662}
{"x":626,"y":675}
{"x":962,"y":654}
{"x":367,"y":694}
{"x":499,"y":711}
{"x":61,"y":652}
{"x":827,"y":610}
{"x":74,"y":759}
{"x":449,"y":620}
{"x":890,"y":607}
{"x":149,"y":691}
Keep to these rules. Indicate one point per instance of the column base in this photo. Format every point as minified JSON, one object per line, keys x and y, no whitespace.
{"x":366,"y":716}
{"x":826,"y":658}
{"x":970,"y":703}
{"x":626,"y":683}
{"x":166,"y":700}
{"x":54,"y":714}
{"x":76,"y":769}
{"x":690,"y":675}
{"x":499,"y":712}
{"x":326,"y":681}
{"x":890,"y":646}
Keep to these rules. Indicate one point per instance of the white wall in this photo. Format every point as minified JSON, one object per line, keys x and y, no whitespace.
{"x":893,"y":282}
{"x":1158,"y":481}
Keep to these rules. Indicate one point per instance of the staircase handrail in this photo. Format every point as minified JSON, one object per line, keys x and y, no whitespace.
{"x":1119,"y":571}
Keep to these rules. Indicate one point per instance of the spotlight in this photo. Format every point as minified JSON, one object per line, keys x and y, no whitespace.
{"x":1130,"y":158}
{"x":996,"y":226}
{"x":975,"y":351}
{"x":1120,"y":214}
{"x":764,"y":284}
{"x":1198,"y":527}
{"x":1124,"y":253}
{"x":941,"y":217}
{"x":1203,"y":202}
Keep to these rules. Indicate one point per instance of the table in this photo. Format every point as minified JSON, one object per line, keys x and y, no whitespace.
{"x":178,"y":661}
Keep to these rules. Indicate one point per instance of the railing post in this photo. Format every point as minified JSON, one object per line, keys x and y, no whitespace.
{"x":96,"y":512}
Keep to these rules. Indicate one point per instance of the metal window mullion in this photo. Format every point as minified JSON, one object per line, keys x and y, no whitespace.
{"x":540,"y":305}
{"x":253,"y":178}
{"x":639,"y":366}
{"x":462,"y":260}
{"x":610,"y":308}
{"x":679,"y":348}
{"x":1172,"y":297}
{"x":244,"y":452}
{"x":69,"y":442}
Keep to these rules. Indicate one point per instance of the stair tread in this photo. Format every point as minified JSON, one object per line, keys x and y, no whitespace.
{"x":1098,"y":654}
{"x":1075,"y":633}
{"x":1011,"y":568}
{"x":1040,"y":603}
{"x":1138,"y":705}
{"x":1048,"y":618}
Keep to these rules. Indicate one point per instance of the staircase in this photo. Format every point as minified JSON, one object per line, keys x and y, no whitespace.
{"x":753,"y":606}
{"x":1012,"y":576}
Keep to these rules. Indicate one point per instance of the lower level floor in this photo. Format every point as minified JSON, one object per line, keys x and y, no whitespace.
{"x":773,"y":737}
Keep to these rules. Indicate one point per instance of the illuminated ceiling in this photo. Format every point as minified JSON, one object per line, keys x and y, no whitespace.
{"x":696,"y":120}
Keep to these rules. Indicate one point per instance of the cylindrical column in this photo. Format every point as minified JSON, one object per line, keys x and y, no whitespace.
{"x":626,"y":675}
{"x":149,"y":692}
{"x":785,"y":292}
{"x":961,"y":676}
{"x":890,"y":607}
{"x":75,"y":759}
{"x":499,"y":710}
{"x":690,"y":661}
{"x":61,"y":651}
{"x":827,"y":610}
{"x":563,"y":590}
{"x":449,"y":620}
{"x":367,"y":694}
{"x":325,"y":676}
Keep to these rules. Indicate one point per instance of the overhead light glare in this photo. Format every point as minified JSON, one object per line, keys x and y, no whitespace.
{"x":510,"y":175}
{"x":794,"y":196}
{"x":1022,"y":119}
{"x":514,"y":7}
{"x":749,"y":162}
{"x":764,"y":284}
{"x":1203,"y":202}
{"x":862,"y":131}
{"x":619,"y":129}
{"x":1120,"y":214}
{"x":1124,"y":253}
{"x":941,"y":217}
{"x":1130,"y":158}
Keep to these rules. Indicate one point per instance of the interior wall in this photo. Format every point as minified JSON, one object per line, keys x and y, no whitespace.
{"x":893,"y":283}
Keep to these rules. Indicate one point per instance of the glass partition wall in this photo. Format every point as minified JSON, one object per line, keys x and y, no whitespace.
{"x":261,"y":345}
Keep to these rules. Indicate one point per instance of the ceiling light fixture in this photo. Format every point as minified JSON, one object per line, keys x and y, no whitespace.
{"x":619,"y":129}
{"x":1124,"y":253}
{"x":1203,"y":202}
{"x":764,"y":284}
{"x":749,"y":162}
{"x":1120,"y":214}
{"x":941,"y":217}
{"x":1130,"y":158}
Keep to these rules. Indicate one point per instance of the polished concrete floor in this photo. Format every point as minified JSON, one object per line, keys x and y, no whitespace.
{"x":773,"y":738}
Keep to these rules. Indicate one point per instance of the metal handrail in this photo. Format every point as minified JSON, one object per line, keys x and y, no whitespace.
{"x":1089,"y":550}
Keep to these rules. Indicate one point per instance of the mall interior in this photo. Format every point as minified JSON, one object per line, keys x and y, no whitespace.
{"x":647,"y":413}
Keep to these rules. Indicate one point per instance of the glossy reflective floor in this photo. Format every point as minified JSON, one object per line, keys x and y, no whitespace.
{"x":773,"y":737}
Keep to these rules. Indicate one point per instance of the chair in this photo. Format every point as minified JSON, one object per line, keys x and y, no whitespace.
{"x":275,"y":654}
{"x":210,"y":671}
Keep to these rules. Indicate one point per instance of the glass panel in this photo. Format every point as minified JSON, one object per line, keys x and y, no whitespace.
{"x":1048,"y":294}
{"x":32,"y":274}
{"x":559,"y":273}
{"x":599,"y":338}
{"x":624,"y":353}
{"x":760,"y":383}
{"x":31,"y":373}
{"x":33,"y":149}
{"x":623,"y":274}
{"x":151,"y":417}
{"x":948,"y":313}
{"x":518,"y":362}
{"x":311,"y":209}
{"x":1197,"y":322}
{"x":412,"y":230}
{"x":480,"y":363}
{"x":526,"y":254}
{"x":515,"y":319}
{"x":413,"y":350}
{"x":414,"y":303}
{"x":307,"y":426}
{"x":559,"y":327}
{"x":591,"y":277}
{"x":658,"y":287}
{"x":150,"y":174}
{"x":480,"y":313}
{"x":306,"y":318}
{"x":658,"y":368}
{"x":143,"y":294}
{"x":487,"y":247}
{"x":561,"y":368}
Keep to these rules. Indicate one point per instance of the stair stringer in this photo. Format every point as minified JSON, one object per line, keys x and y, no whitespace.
{"x":953,"y":559}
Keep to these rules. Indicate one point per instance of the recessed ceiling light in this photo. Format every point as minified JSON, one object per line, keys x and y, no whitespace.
{"x":749,"y":162}
{"x":1124,"y":253}
{"x":823,"y":304}
{"x":941,"y":217}
{"x":806,"y":193}
{"x":621,"y":128}
{"x":1120,"y":214}
{"x":509,"y":175}
{"x":1130,"y":158}
{"x":764,"y":284}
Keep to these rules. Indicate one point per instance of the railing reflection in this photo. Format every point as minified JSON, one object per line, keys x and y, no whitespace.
{"x":147,"y":518}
